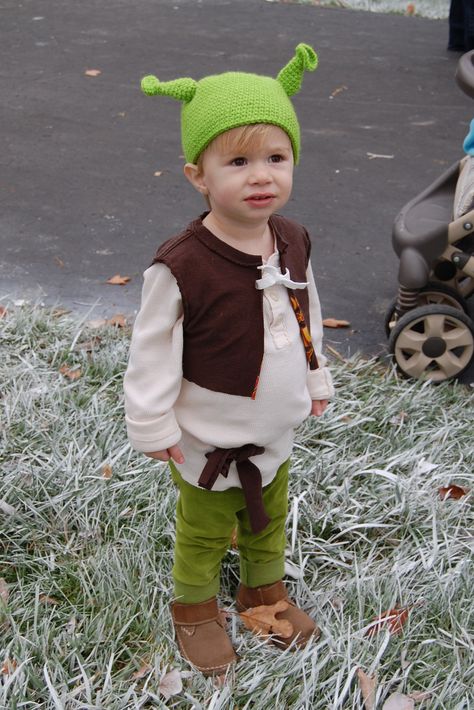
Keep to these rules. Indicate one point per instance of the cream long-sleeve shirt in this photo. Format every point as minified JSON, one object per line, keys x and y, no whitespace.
{"x":164,"y":409}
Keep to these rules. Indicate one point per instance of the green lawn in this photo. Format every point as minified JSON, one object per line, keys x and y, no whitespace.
{"x":86,"y":534}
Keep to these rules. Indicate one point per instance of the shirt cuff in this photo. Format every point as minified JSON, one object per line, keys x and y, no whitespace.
{"x":153,"y":435}
{"x":320,"y":383}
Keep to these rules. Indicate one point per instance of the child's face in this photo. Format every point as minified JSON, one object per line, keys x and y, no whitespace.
{"x":247,"y":185}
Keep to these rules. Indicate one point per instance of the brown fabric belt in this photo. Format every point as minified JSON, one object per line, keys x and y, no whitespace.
{"x":218,"y":463}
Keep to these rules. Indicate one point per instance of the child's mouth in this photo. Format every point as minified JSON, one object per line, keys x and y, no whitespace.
{"x":260,"y":200}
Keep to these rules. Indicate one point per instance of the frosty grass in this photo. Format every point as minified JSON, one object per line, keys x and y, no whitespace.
{"x":86,"y":533}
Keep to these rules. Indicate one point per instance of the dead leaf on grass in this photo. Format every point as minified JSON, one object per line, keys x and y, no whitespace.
{"x":70,"y":373}
{"x":143,"y":671}
{"x":367,"y":684}
{"x":335,"y":323}
{"x":89,"y":345}
{"x":398,"y":701}
{"x":59,"y":312}
{"x":118,"y":280}
{"x":453,"y":491}
{"x":46,"y":599}
{"x":3,"y":311}
{"x":7,"y":508}
{"x":4,"y":591}
{"x":107,"y":471}
{"x":9,"y":666}
{"x":262,"y":620}
{"x":392,"y":620}
{"x":118,"y":320}
{"x":171,"y":683}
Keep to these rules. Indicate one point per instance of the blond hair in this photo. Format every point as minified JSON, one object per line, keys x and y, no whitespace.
{"x":236,"y":140}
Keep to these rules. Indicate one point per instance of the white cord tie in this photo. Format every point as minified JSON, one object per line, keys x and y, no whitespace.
{"x":271,"y":276}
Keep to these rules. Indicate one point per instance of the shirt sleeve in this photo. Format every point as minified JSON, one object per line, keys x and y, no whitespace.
{"x":320,"y":384}
{"x":153,"y":377}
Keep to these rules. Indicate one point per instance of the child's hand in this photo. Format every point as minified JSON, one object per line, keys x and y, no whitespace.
{"x":318,"y":406}
{"x":174,"y":452}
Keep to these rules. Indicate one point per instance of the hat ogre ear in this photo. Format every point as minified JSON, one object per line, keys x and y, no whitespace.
{"x":291,"y":76}
{"x":180,"y":89}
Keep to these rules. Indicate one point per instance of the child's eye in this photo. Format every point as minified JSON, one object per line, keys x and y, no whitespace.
{"x":238,"y":162}
{"x":277,"y":158}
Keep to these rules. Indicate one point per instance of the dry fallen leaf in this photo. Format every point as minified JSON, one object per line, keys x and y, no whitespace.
{"x":142,"y":672}
{"x":118,"y":280}
{"x":453,"y":491}
{"x":59,"y":312}
{"x":7,"y":508}
{"x":45,"y":599}
{"x":107,"y":471}
{"x":335,"y":323}
{"x":368,"y":684}
{"x":420,"y":696}
{"x":92,"y":72}
{"x":72,"y":374}
{"x":338,"y":90}
{"x":8,"y":667}
{"x":89,"y":345}
{"x":410,"y":8}
{"x":118,"y":320}
{"x":171,"y":683}
{"x":3,"y":311}
{"x":262,"y":620}
{"x":59,"y":262}
{"x":4,"y":591}
{"x":391,"y":620}
{"x":398,"y":701}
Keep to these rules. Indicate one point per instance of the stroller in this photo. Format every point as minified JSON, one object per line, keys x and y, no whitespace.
{"x":430,"y":334}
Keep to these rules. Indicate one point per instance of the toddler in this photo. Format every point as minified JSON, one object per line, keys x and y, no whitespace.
{"x":226,"y":359}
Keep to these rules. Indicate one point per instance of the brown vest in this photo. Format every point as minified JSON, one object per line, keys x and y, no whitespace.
{"x":223,"y":310}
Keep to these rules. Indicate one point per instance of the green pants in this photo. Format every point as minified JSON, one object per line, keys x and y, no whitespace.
{"x":204,"y":524}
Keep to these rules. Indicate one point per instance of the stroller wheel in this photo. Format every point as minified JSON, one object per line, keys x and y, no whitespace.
{"x":434,"y":342}
{"x":432,"y":293}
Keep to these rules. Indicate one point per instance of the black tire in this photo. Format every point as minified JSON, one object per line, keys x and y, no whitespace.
{"x":432,"y":293}
{"x":434,"y":342}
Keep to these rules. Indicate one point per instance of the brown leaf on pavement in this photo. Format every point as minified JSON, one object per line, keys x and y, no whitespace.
{"x":453,"y":491}
{"x":262,"y":620}
{"x":118,"y":280}
{"x":335,"y":323}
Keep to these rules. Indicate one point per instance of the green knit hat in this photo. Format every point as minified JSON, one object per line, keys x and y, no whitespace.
{"x":217,"y":103}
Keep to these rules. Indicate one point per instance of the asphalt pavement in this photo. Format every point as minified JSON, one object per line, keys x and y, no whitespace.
{"x":91,"y":170}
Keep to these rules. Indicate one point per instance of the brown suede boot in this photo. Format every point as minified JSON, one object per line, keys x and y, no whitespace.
{"x":201,"y":636}
{"x":304,"y":627}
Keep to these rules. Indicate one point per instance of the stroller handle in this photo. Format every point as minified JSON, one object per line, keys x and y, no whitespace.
{"x":465,"y":73}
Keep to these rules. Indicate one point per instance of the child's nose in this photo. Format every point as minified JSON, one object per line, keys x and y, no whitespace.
{"x":260,"y":174}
